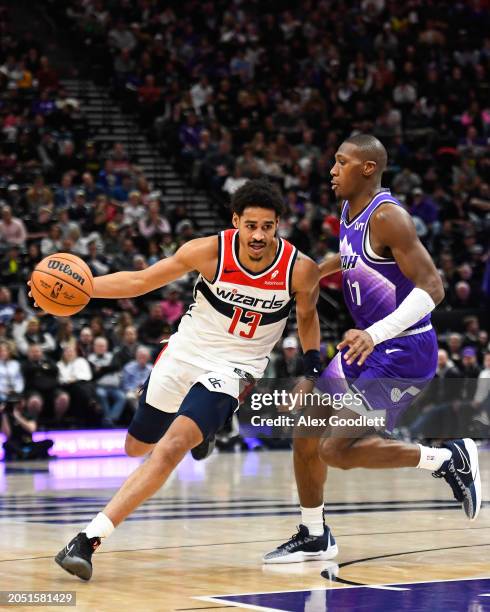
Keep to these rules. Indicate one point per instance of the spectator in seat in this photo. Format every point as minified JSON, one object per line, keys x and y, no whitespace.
{"x":134,"y":210}
{"x":135,"y":373}
{"x":124,"y":259}
{"x":470,"y":371}
{"x":483,"y":345}
{"x":154,"y":223}
{"x":18,"y":324}
{"x":11,"y":379}
{"x":127,"y":350}
{"x":75,"y":377}
{"x":35,"y":335}
{"x":12,"y":229}
{"x":47,"y":75}
{"x":154,"y":327}
{"x":7,"y":307}
{"x":65,"y":194}
{"x":462,"y":296}
{"x":454,"y":347}
{"x":52,"y":243}
{"x":289,"y":364}
{"x":481,"y":400}
{"x":85,"y":342}
{"x":18,"y":425}
{"x":107,"y":382}
{"x":98,"y":264}
{"x":41,"y":384}
{"x":38,"y":195}
{"x":172,"y":306}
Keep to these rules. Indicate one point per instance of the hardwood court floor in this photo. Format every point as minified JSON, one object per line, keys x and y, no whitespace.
{"x":204,"y":533}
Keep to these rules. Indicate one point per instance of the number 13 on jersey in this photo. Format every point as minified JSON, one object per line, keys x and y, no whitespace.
{"x":251,"y":318}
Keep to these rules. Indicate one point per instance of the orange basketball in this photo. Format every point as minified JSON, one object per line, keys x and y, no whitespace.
{"x":62,"y":284}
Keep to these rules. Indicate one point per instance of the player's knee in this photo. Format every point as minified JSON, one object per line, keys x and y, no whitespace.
{"x":332,"y":454}
{"x":171,"y":450}
{"x":135,"y":448}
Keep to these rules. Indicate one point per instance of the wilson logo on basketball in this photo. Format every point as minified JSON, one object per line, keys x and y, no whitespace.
{"x":54,"y":264}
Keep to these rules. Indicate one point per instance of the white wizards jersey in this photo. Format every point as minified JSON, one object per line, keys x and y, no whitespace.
{"x":238,"y":317}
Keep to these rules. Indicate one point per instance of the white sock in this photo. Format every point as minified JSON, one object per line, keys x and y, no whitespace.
{"x":431,"y":458}
{"x":99,"y":527}
{"x":313,"y":519}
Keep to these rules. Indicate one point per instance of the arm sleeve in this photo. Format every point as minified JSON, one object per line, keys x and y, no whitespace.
{"x":414,"y":307}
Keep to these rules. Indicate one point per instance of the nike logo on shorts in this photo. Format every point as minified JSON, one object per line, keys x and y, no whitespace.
{"x":388,"y":351}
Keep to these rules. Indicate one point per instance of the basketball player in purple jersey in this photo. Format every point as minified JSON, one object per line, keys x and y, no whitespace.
{"x":390,"y":285}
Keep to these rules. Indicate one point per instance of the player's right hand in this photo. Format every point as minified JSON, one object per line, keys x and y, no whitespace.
{"x":360,"y":345}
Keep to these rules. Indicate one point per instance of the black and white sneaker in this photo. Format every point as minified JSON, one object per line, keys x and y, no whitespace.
{"x":304,"y":547}
{"x":76,"y":557}
{"x":462,"y":474}
{"x":203,"y":450}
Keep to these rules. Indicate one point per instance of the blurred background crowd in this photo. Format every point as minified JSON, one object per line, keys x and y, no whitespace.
{"x":232,"y":90}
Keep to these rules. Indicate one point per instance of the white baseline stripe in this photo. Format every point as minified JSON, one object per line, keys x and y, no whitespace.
{"x":386,"y":588}
{"x":237,"y":605}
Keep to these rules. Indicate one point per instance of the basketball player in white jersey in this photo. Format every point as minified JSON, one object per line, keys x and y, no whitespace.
{"x":248,"y":280}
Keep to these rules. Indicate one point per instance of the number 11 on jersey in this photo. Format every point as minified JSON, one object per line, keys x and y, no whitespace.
{"x":355,"y":289}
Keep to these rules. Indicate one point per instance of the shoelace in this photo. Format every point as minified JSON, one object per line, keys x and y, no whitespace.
{"x":294,"y":539}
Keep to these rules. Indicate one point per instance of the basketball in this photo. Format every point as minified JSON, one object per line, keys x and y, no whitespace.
{"x":62,"y":284}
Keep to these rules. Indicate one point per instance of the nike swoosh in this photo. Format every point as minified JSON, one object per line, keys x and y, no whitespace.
{"x":465,"y":463}
{"x":388,"y":351}
{"x":225,"y":271}
{"x":68,"y":550}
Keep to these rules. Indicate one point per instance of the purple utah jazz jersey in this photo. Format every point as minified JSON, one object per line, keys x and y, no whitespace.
{"x":373,"y":286}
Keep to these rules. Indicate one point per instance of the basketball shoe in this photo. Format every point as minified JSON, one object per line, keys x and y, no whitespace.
{"x":76,"y":557}
{"x":462,"y":474}
{"x":304,"y":547}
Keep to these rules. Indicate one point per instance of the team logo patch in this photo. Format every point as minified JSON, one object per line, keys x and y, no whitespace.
{"x":397,"y":394}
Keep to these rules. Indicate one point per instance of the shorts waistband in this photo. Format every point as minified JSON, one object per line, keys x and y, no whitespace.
{"x":417,"y":330}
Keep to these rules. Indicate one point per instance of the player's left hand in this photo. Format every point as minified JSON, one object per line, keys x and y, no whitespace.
{"x":30,"y":293}
{"x":360,"y":344}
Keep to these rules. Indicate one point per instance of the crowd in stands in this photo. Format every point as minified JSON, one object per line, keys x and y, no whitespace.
{"x":60,"y":191}
{"x":236,"y":91}
{"x":232,"y":91}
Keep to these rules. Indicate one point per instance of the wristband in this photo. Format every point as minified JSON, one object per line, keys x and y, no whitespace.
{"x":312,"y":363}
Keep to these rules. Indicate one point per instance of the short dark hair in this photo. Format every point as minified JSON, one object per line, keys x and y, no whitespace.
{"x":370,"y":148}
{"x":260,"y":193}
